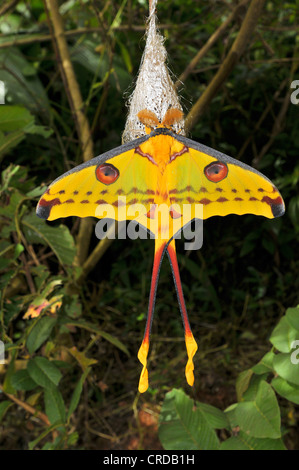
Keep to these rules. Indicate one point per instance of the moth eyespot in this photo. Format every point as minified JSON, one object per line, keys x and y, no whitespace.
{"x":216,"y":171}
{"x":107,"y":173}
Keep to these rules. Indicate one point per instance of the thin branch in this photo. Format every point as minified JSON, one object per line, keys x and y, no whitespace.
{"x":9,"y":6}
{"x":279,"y":121}
{"x":26,"y":268}
{"x":211,"y":41}
{"x":80,"y":31}
{"x":237,"y":49}
{"x":262,"y":118}
{"x":27,"y":407}
{"x":69,"y":78}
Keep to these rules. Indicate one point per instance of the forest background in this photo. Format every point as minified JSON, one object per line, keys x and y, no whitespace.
{"x":73,"y":308}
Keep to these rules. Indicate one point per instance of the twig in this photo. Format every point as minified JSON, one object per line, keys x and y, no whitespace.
{"x":27,"y":407}
{"x":69,"y":78}
{"x":262,"y":118}
{"x":211,"y":41}
{"x":26,"y":268}
{"x":237,"y":49}
{"x":75,"y":32}
{"x":8,"y":6}
{"x":279,"y":121}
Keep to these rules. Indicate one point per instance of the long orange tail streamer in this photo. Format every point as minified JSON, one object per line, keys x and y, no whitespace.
{"x":160,"y":246}
{"x":191,"y":345}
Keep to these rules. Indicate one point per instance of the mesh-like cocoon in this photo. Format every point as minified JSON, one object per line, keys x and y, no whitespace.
{"x":154,"y":88}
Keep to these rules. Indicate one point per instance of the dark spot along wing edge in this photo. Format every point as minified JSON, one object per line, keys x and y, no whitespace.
{"x":277,"y":205}
{"x":43,"y":211}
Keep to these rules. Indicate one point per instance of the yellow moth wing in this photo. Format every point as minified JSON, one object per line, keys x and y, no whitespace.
{"x":80,"y":193}
{"x":242,"y":190}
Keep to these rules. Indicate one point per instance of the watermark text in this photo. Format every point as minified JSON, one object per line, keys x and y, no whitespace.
{"x":150,"y":222}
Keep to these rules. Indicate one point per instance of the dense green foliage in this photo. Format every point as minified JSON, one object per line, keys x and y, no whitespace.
{"x":71,"y":345}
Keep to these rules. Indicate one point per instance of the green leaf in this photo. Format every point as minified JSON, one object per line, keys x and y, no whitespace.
{"x":286,"y":390}
{"x":54,"y":405}
{"x":9,"y":141}
{"x":39,"y":333}
{"x":244,"y":442}
{"x":292,"y":315}
{"x":183,"y":427}
{"x":77,"y":393}
{"x":11,"y":208}
{"x":216,"y":418}
{"x":251,"y":392}
{"x":259,"y":417}
{"x":13,"y":118}
{"x":242,"y":382}
{"x":126,"y":57}
{"x":95,"y":329}
{"x":18,"y":250}
{"x":38,"y":130}
{"x":284,"y":367}
{"x":81,"y":357}
{"x":283,"y":336}
{"x":43,"y":372}
{"x":58,"y":238}
{"x":22,"y":88}
{"x":21,"y":380}
{"x":47,"y":431}
{"x":4,"y":405}
{"x":265,"y":365}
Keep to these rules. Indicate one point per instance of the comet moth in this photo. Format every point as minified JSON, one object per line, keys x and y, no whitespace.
{"x":161,"y":167}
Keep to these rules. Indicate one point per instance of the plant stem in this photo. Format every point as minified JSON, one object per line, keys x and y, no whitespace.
{"x":76,"y":104}
{"x":237,"y":49}
{"x":210,"y":42}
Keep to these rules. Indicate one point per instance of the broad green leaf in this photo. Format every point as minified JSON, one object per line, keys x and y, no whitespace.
{"x":183,"y":426}
{"x":286,"y":390}
{"x":40,"y":333}
{"x":43,"y":372}
{"x":242,"y":382}
{"x":77,"y":393}
{"x":283,"y":336}
{"x":13,"y":118}
{"x":284,"y":367}
{"x":251,"y":392}
{"x":292,"y":315}
{"x":21,"y":380}
{"x":216,"y":418}
{"x":10,"y":209}
{"x":54,"y":405}
{"x":244,"y":442}
{"x":58,"y":238}
{"x":22,"y":83}
{"x":259,"y":417}
{"x":265,"y":365}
